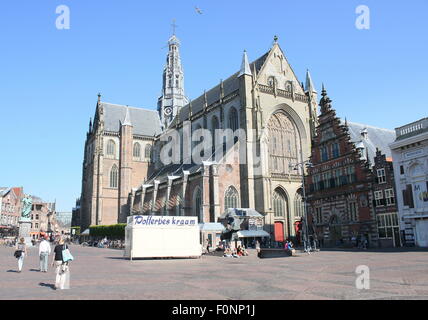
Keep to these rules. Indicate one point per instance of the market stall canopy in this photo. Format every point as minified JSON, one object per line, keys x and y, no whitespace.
{"x":252,"y":234}
{"x":85,"y":233}
{"x":211,"y":226}
{"x":242,"y":213}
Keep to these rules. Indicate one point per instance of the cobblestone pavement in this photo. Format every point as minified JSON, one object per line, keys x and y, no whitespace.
{"x":104,"y":274}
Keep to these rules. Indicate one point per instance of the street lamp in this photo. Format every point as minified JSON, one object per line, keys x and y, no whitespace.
{"x":308,"y":164}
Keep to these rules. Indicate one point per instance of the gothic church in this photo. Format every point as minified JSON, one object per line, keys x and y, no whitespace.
{"x":123,"y":174}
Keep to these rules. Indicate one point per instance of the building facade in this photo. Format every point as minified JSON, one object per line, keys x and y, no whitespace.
{"x":340,"y":181}
{"x":10,"y":207}
{"x":43,"y":218}
{"x":264,"y":99}
{"x":410,"y":153}
{"x":385,"y":202}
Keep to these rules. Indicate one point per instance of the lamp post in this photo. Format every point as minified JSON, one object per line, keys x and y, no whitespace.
{"x":308,"y":164}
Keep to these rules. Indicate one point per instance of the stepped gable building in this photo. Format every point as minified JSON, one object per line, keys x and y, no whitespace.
{"x":340,"y":182}
{"x":123,"y":173}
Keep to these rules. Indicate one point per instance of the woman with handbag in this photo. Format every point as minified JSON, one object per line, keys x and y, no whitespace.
{"x":20,"y":253}
{"x":62,"y":280}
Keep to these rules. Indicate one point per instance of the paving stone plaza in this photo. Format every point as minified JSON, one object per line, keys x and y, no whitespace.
{"x":103,"y":274}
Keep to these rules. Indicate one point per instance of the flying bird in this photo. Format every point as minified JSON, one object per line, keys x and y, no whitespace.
{"x":198,"y":10}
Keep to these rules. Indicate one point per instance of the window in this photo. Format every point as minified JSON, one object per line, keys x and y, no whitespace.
{"x":408,"y":196}
{"x":198,"y":205}
{"x":283,"y":144}
{"x":387,"y":225}
{"x":36,"y":226}
{"x":233,"y":119}
{"x":379,"y":198}
{"x":401,"y":170}
{"x":381,"y":176}
{"x":37,"y":217}
{"x":389,"y":197}
{"x":137,"y":150}
{"x":114,"y":177}
{"x":231,"y":198}
{"x":353,"y":214}
{"x":214,"y":127}
{"x":318,"y":215}
{"x":271,"y":82}
{"x":299,"y":205}
{"x":279,"y":203}
{"x":335,"y":150}
{"x":148,"y":151}
{"x":111,"y":148}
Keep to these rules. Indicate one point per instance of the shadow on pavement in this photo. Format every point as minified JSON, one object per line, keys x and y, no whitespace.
{"x":14,"y":271}
{"x":34,"y":270}
{"x":47,"y":285}
{"x":384,"y":250}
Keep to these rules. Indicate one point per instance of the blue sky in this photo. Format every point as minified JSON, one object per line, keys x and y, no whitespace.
{"x":49,"y":78}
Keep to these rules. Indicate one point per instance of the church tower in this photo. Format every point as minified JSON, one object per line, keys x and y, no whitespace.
{"x":173,"y":97}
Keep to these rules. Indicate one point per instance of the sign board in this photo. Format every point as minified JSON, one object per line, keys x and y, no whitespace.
{"x":162,"y":237}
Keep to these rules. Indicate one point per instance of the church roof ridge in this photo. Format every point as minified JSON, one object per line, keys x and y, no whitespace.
{"x":125,"y":106}
{"x":370,"y":126}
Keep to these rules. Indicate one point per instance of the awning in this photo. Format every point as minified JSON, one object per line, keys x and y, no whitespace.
{"x":242,"y":213}
{"x":211,"y":226}
{"x":252,"y":234}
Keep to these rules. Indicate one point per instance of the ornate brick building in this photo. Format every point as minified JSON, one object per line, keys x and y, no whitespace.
{"x":340,"y":182}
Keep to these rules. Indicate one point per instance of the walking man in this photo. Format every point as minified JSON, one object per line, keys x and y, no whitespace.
{"x":44,"y":252}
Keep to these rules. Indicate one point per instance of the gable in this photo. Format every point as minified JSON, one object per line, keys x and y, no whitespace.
{"x":276,"y":65}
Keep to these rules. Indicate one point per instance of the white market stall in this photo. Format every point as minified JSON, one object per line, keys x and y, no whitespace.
{"x":162,"y":237}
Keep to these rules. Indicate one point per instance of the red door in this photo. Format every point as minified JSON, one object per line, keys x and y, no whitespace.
{"x":279,"y":231}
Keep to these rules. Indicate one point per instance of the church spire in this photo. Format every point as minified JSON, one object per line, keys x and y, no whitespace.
{"x":245,"y":66}
{"x":173,"y":97}
{"x":309,"y":84}
{"x":127,"y":121}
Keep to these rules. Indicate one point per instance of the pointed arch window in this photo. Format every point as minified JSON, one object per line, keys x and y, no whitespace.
{"x":298,"y":204}
{"x":137,"y":150}
{"x":283,"y":144}
{"x":198,"y":205}
{"x":148,"y":151}
{"x":272,"y":82}
{"x":215,"y":126}
{"x":111,"y":148}
{"x":231,"y":198}
{"x":279,"y":203}
{"x":114,"y":177}
{"x":233,"y":119}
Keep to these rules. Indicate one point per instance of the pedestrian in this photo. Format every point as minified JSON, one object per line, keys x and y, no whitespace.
{"x":44,"y":252}
{"x":20,"y":253}
{"x":62,"y":280}
{"x":258,"y":246}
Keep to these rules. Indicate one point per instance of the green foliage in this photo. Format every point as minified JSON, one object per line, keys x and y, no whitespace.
{"x":77,"y":232}
{"x":116,"y":231}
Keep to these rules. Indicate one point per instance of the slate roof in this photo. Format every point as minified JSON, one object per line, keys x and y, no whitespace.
{"x":376,"y":138}
{"x":173,"y":170}
{"x":145,"y":122}
{"x":230,"y":85}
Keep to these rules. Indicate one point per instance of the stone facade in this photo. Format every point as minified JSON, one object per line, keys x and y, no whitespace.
{"x":410,"y":153}
{"x":264,"y":99}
